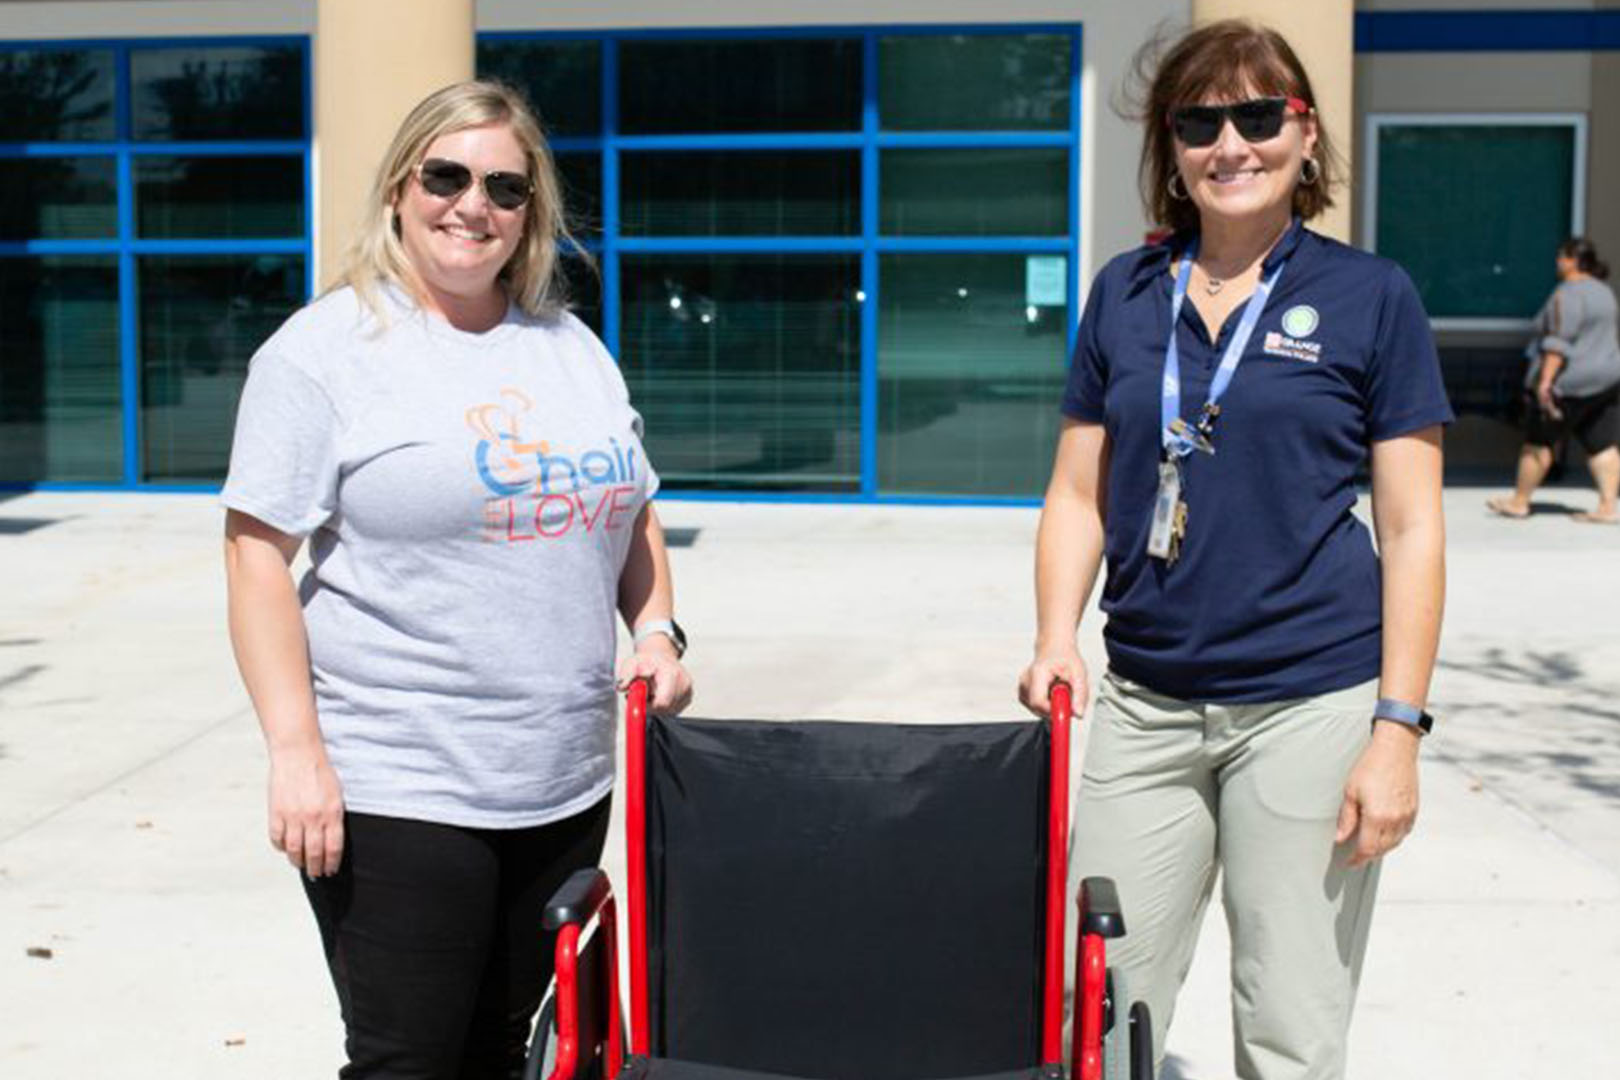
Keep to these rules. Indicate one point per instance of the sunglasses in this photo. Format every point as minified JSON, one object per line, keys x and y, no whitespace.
{"x":448,"y":179}
{"x":1257,"y":120}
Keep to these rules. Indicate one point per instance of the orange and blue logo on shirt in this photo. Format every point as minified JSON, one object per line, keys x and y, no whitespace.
{"x":542,"y":490}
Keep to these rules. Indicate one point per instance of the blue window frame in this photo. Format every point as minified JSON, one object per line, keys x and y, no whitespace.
{"x":869,"y":245}
{"x":183,"y":99}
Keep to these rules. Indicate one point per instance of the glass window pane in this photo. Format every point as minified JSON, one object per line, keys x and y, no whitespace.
{"x":201,"y":317}
{"x":49,"y":95}
{"x":219,"y":197}
{"x":747,"y":368}
{"x":236,"y":92}
{"x":970,"y":370}
{"x":979,"y":192}
{"x":955,"y":82}
{"x":60,"y":420}
{"x":1437,"y":183}
{"x":767,"y":193}
{"x":561,"y":79}
{"x":690,"y":87}
{"x":581,"y":177}
{"x":58,"y":198}
{"x":584,"y":290}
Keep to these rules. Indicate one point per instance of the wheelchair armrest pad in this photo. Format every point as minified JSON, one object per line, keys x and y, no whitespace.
{"x":1099,"y":908}
{"x":578,"y":900}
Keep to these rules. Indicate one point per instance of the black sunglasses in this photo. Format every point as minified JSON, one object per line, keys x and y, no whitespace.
{"x":1256,"y":121}
{"x":448,"y":179}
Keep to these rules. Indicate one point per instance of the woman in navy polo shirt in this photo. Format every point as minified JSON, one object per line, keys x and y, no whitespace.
{"x":1267,"y":670}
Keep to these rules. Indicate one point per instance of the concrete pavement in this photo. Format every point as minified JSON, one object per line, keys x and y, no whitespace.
{"x":131,"y":777}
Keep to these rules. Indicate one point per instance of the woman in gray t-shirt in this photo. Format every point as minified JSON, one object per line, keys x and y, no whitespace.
{"x":1573,"y":385}
{"x":438,"y":693}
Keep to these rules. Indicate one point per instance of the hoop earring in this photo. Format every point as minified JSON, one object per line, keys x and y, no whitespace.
{"x":1175,"y":182}
{"x":1310,"y":172}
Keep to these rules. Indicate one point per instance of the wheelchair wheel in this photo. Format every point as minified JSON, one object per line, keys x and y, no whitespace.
{"x":543,"y":1043}
{"x":1141,"y":1042}
{"x":542,"y":1057}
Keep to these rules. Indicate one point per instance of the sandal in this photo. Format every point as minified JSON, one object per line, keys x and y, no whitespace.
{"x":1587,"y":517}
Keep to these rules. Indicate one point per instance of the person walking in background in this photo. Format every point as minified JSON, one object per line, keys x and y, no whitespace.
{"x":438,"y":696}
{"x":1573,"y":386}
{"x":1267,"y":669}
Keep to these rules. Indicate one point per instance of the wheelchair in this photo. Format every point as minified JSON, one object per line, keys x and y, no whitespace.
{"x":831,"y":900}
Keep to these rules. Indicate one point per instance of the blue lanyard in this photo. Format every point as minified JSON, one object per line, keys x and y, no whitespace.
{"x":1179,"y":443}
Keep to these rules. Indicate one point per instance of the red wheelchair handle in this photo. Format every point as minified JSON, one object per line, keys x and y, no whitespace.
{"x":635,"y":828}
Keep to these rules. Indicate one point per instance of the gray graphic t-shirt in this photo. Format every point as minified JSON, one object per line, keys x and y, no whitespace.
{"x":469,"y":501}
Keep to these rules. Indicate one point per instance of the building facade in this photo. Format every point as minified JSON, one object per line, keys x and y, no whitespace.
{"x":839,"y":250}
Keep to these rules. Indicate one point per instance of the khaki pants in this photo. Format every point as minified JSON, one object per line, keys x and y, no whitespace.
{"x":1171,"y":791}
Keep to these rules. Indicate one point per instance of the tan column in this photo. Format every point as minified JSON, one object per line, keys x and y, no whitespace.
{"x":374,"y":60}
{"x":1603,"y":157}
{"x":1322,"y":33}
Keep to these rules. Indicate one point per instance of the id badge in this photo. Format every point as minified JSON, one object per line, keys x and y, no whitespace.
{"x":1164,"y":510}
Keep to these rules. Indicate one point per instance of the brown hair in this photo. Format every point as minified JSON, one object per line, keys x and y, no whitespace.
{"x":1230,"y":58}
{"x":1585,"y":254}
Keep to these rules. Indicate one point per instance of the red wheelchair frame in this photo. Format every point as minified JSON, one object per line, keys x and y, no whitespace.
{"x":587,"y":896}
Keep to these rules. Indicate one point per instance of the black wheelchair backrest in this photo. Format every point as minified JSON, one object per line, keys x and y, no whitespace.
{"x":847,"y":900}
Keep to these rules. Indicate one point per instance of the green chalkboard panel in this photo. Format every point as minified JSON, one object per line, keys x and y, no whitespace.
{"x":1475,"y":212}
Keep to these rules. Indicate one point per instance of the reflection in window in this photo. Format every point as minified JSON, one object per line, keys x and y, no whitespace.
{"x":764,"y":193}
{"x":970,"y":370}
{"x":60,"y":418}
{"x":953,"y":82}
{"x":218,"y":93}
{"x":56,"y":95}
{"x":747,"y":368}
{"x":581,"y":179}
{"x":691,"y":87}
{"x":583,"y":288}
{"x":219,"y":197}
{"x":201,"y":318}
{"x":58,"y":198}
{"x":562,"y":80}
{"x":986,"y":191}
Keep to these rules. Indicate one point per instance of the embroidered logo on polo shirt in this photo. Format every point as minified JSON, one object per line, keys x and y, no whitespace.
{"x":1298,"y":322}
{"x":1292,"y":348}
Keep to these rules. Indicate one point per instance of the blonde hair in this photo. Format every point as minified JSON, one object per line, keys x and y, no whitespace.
{"x":530,"y":276}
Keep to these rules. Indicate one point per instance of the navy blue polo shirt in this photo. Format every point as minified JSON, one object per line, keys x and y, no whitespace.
{"x":1276,"y":591}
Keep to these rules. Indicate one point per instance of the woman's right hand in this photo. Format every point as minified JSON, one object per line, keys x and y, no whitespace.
{"x":1547,"y":400}
{"x":306,"y":810}
{"x":1035,"y":685}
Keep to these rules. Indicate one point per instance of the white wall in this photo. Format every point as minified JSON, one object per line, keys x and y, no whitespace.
{"x":154,"y":18}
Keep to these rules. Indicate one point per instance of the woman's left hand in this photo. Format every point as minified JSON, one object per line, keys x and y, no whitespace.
{"x":656,"y":661}
{"x":1381,"y":795}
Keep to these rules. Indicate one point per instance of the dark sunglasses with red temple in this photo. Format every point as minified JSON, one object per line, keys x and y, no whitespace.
{"x":448,"y":179}
{"x":1256,"y":120}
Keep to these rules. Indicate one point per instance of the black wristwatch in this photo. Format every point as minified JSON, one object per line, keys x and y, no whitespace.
{"x":1402,"y":713}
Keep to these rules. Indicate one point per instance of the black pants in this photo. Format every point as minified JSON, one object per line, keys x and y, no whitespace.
{"x":1594,"y":420}
{"x":432,"y":933}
